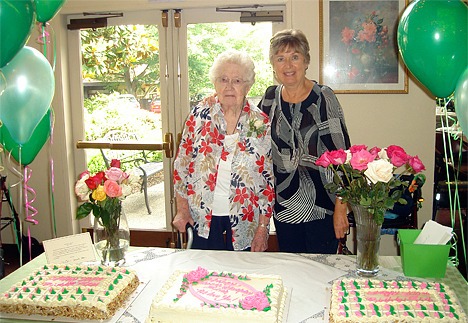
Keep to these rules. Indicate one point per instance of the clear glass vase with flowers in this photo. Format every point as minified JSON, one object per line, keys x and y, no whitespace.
{"x":370,"y":181}
{"x":102,"y":195}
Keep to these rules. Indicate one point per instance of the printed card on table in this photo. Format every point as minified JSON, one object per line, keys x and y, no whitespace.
{"x":73,"y":249}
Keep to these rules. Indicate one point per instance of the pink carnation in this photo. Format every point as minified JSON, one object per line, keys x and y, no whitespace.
{"x":257,"y":301}
{"x":416,"y":164}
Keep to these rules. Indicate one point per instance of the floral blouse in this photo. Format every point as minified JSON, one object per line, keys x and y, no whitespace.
{"x":252,"y":185}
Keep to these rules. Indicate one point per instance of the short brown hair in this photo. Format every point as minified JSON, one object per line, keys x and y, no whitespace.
{"x":290,"y":38}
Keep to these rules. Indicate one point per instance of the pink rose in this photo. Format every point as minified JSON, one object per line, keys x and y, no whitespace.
{"x":337,"y":157}
{"x":257,"y":301}
{"x":360,"y":159}
{"x":416,"y":164}
{"x":355,"y":148}
{"x":83,"y":174}
{"x":397,"y":155}
{"x":115,"y":174}
{"x":375,"y":151}
{"x":324,"y":160}
{"x":112,"y":188}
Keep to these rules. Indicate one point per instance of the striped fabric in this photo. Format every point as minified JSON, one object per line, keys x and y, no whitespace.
{"x":301,"y":133}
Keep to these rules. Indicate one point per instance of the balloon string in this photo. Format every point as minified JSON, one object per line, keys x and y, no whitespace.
{"x":28,"y":202}
{"x":52,"y":172}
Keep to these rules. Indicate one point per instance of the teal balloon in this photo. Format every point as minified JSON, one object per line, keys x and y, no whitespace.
{"x":432,"y":40}
{"x":461,"y":101}
{"x":31,"y":148}
{"x":47,"y":9}
{"x":16,"y":23}
{"x":28,"y":83}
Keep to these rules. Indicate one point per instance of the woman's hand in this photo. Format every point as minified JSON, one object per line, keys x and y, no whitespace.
{"x":210,"y":100}
{"x":260,"y":240}
{"x":180,"y":221}
{"x":183,"y":214}
{"x":340,"y":219}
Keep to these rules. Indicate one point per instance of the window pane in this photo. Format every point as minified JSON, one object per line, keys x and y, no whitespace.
{"x":208,"y":40}
{"x":121,"y":86}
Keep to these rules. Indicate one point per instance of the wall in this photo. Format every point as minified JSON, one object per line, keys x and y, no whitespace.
{"x":372,"y":119}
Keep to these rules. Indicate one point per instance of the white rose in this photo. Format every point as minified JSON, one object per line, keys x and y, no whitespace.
{"x":383,"y":154}
{"x":126,"y":190}
{"x":82,"y":190}
{"x":379,"y":170}
{"x":258,"y":124}
{"x":348,"y":156}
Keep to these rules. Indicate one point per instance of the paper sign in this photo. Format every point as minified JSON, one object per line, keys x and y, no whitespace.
{"x":434,"y":233}
{"x":71,"y":249}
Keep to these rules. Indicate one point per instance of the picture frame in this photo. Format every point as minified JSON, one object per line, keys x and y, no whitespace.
{"x":358,"y":46}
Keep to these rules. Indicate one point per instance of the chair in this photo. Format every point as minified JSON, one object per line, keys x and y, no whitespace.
{"x":402,"y":216}
{"x":136,"y":158}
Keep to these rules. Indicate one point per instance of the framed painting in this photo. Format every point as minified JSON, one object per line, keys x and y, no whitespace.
{"x":358,"y":46}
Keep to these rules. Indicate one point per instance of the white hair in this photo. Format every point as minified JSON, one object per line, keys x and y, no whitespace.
{"x":235,"y":57}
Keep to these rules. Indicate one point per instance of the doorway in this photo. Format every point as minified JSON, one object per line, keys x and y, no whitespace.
{"x":148,"y":88}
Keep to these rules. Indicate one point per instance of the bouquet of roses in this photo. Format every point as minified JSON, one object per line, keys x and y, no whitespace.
{"x":370,"y":178}
{"x":102,"y":194}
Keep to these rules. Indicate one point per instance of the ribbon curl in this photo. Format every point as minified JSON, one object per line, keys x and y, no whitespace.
{"x":28,"y":202}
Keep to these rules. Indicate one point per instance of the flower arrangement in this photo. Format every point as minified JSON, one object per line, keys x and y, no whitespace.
{"x":368,"y":177}
{"x":368,"y":35}
{"x":102,"y":193}
{"x":257,"y":127}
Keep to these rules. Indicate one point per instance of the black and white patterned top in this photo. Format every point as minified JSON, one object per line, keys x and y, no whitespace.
{"x":300,"y":133}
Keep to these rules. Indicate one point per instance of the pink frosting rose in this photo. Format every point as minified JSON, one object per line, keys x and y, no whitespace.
{"x":196,"y":275}
{"x":257,"y":301}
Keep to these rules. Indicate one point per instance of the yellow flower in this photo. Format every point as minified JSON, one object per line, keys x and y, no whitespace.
{"x":99,"y":194}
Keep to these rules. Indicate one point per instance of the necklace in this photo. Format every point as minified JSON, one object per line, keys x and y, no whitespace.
{"x":235,"y":125}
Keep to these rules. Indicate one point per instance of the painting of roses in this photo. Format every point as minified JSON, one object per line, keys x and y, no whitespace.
{"x":359,"y":53}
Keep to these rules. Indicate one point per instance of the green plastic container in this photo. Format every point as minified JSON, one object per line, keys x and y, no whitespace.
{"x":422,"y":260}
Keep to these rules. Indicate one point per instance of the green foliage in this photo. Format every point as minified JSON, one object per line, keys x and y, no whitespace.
{"x":206,"y":41}
{"x":125,"y":54}
{"x":96,"y":164}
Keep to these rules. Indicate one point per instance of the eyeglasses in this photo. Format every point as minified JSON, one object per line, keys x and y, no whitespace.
{"x":236,"y":82}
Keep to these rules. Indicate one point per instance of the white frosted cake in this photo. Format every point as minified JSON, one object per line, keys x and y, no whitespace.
{"x":209,"y":296}
{"x":79,"y":292}
{"x":365,"y":300}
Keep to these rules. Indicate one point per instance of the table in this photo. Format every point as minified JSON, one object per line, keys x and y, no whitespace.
{"x":307,"y":276}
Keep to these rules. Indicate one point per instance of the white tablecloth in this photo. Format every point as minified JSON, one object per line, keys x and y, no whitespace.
{"x":307,"y":276}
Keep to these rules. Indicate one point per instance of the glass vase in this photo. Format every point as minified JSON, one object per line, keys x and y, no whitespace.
{"x":368,"y":242}
{"x":112,"y":241}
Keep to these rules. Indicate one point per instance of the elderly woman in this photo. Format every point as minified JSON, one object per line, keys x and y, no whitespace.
{"x":223,"y":174}
{"x":306,"y":120}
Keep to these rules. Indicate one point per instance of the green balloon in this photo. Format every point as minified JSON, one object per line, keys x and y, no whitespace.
{"x":28,"y":86}
{"x":461,"y":101}
{"x":433,"y":42}
{"x":47,"y":9}
{"x":31,"y":148}
{"x":16,"y":23}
